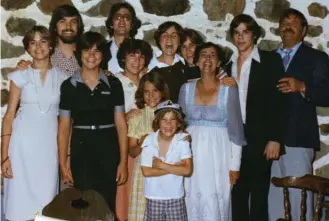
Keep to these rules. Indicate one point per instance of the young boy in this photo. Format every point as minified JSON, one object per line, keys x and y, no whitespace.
{"x":166,"y":159}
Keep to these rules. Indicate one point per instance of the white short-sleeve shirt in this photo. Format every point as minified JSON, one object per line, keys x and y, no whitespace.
{"x":129,"y":90}
{"x":168,"y":186}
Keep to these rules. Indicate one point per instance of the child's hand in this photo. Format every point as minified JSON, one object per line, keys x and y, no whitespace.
{"x":157,"y":163}
{"x":234,"y":176}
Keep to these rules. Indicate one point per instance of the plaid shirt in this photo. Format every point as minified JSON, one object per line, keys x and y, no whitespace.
{"x":67,"y":65}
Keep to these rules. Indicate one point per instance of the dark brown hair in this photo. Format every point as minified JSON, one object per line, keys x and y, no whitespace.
{"x":131,"y":46}
{"x":158,"y":81}
{"x":251,"y":24}
{"x":135,"y":22}
{"x":44,"y":32}
{"x":219,"y":50}
{"x":291,"y":11}
{"x":164,"y":27}
{"x":195,"y":37}
{"x":181,"y":122}
{"x":87,"y":41}
{"x":59,"y":13}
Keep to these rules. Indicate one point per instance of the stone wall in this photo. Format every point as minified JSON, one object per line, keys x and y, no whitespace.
{"x":211,"y":17}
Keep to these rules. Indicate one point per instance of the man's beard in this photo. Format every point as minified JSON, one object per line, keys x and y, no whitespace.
{"x":67,"y":39}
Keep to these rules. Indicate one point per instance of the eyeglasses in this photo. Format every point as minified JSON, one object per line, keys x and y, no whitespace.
{"x":125,"y":17}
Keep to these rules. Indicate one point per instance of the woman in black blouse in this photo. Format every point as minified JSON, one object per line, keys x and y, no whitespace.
{"x":92,"y":104}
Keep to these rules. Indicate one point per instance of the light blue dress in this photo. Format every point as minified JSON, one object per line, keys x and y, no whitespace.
{"x":217,"y":137}
{"x":33,"y":145}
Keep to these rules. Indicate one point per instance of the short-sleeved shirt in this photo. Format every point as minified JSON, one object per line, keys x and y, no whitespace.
{"x":91,"y":107}
{"x":168,"y":186}
{"x":68,"y":65}
{"x":129,"y":89}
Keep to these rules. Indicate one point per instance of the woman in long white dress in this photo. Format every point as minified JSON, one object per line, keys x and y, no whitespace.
{"x":29,"y":136}
{"x":215,"y":125}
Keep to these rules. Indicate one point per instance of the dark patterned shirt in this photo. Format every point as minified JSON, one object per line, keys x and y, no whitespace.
{"x":67,"y":65}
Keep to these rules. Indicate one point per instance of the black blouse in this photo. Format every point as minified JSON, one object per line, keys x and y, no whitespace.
{"x":91,"y":107}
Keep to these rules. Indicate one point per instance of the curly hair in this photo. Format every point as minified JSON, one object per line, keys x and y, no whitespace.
{"x":158,"y":81}
{"x":135,"y":22}
{"x":131,"y":46}
{"x":181,"y":122}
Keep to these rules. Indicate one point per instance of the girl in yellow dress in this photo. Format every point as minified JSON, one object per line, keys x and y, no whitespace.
{"x":151,"y":91}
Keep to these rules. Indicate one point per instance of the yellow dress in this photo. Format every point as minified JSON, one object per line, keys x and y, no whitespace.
{"x":138,"y":127}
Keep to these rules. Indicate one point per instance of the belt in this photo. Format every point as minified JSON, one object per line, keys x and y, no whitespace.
{"x":93,"y":127}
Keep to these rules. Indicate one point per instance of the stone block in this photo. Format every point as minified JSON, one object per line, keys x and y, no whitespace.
{"x":9,"y":50}
{"x":217,"y":9}
{"x":4,"y":97}
{"x":322,"y":111}
{"x":48,"y":6}
{"x":19,"y":26}
{"x":14,"y":5}
{"x":271,"y":9}
{"x":314,"y":31}
{"x":165,"y":8}
{"x":102,"y":8}
{"x":323,"y":171}
{"x":148,"y":36}
{"x":268,"y":45}
{"x":275,"y":31}
{"x":100,"y":29}
{"x":317,"y":10}
{"x":5,"y":72}
{"x":324,"y":129}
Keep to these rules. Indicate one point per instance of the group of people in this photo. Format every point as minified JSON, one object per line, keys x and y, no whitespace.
{"x":182,"y":133}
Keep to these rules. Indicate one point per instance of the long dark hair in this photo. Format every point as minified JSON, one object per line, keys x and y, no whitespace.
{"x":158,"y":81}
{"x":59,"y":13}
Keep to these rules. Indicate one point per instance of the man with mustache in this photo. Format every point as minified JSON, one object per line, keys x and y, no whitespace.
{"x":305,"y":85}
{"x":65,"y":26}
{"x":121,"y":23}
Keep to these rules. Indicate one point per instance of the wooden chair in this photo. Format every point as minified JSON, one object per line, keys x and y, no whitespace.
{"x":312,"y":183}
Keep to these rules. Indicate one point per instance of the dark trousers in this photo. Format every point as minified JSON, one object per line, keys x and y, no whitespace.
{"x":94,"y":161}
{"x":254,"y":182}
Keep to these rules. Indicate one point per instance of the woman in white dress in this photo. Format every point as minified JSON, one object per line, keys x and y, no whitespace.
{"x":29,"y":136}
{"x":215,"y":125}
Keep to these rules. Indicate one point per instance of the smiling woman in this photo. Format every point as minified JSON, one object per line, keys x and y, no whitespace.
{"x":95,"y":104}
{"x":29,"y":148}
{"x":215,"y":125}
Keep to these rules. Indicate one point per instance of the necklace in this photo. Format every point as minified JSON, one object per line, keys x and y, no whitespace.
{"x":37,"y":92}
